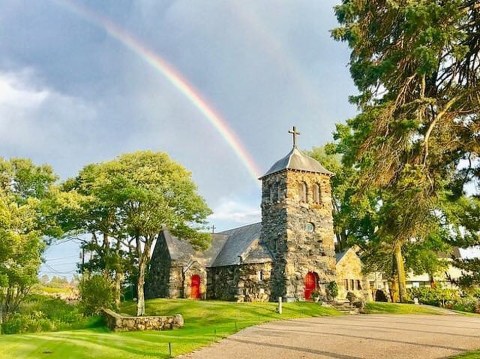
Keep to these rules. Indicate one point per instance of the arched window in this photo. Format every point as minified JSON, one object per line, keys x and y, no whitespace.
{"x":316,"y":193}
{"x":302,"y":192}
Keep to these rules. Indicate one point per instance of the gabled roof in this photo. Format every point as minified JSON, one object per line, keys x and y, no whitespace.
{"x":232,"y":247}
{"x":182,"y":250}
{"x":242,"y":242}
{"x":296,"y":160}
{"x":339,"y":256}
{"x":355,"y":250}
{"x":178,"y":249}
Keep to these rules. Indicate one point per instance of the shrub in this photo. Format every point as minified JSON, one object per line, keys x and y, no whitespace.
{"x":448,"y":298}
{"x":96,"y":292}
{"x":351,"y":297}
{"x":39,"y":313}
{"x":440,"y":297}
{"x":332,"y":289}
{"x":466,"y":304}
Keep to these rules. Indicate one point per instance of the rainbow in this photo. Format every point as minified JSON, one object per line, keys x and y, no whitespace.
{"x":173,"y":76}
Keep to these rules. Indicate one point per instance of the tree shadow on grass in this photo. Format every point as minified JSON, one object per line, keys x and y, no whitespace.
{"x":133,"y":346}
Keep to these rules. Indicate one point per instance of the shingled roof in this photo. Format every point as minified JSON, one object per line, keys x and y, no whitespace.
{"x":178,"y":249}
{"x":182,"y":250}
{"x":296,"y":160}
{"x":242,"y":246}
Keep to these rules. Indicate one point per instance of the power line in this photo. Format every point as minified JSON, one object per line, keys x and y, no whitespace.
{"x":59,"y":258}
{"x":58,"y":272}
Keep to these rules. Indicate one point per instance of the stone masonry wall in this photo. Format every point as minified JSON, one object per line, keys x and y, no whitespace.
{"x":169,"y":278}
{"x":175,"y":281}
{"x":195,"y":269}
{"x":157,"y":285}
{"x":274,"y":228}
{"x":119,"y":323}
{"x":222,"y":282}
{"x":285,"y":218}
{"x":242,"y":283}
{"x":350,"y":269}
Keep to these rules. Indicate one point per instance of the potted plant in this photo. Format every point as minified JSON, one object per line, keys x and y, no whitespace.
{"x":316,"y":295}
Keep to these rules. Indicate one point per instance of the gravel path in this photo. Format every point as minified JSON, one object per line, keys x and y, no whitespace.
{"x":349,"y":337}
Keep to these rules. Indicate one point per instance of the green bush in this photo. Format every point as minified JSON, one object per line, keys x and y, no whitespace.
{"x":440,"y":297}
{"x":20,"y":323}
{"x":39,"y":313}
{"x":332,"y":289}
{"x":448,"y":298}
{"x":96,"y":292}
{"x":467,"y":304}
{"x":52,"y":308}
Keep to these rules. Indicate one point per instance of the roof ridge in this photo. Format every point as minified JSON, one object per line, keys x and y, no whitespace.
{"x":245,"y":225}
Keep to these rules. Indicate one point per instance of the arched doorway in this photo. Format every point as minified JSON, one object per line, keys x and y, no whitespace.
{"x":310,"y":284}
{"x":195,"y":287}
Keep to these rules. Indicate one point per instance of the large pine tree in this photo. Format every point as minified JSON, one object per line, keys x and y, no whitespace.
{"x":417,"y":138}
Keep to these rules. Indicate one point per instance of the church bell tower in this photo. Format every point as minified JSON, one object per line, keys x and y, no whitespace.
{"x":297,"y":225}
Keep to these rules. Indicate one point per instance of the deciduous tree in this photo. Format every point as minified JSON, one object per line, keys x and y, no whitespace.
{"x":24,"y":221}
{"x":131,"y":199}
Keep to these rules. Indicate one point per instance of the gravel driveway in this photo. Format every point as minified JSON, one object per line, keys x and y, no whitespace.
{"x":348,"y":337}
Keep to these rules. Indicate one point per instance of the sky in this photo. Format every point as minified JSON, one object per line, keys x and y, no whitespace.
{"x":215,"y":84}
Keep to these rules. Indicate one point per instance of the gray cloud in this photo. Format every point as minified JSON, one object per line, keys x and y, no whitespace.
{"x":85,"y":97}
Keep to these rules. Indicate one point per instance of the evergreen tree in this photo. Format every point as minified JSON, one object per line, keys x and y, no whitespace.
{"x":416,"y":65}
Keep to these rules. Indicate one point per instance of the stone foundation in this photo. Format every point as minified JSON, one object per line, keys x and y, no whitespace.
{"x":120,"y":323}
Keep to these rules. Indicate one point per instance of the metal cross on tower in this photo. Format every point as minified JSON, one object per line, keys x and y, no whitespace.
{"x":294,"y":133}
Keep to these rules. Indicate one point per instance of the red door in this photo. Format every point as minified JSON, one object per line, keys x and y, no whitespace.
{"x":195,"y":287}
{"x":310,"y":285}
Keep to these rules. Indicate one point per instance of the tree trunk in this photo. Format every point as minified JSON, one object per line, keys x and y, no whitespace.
{"x":140,"y":287}
{"x":119,"y":277}
{"x":144,"y":257}
{"x":393,"y":286}
{"x":106,"y":249}
{"x":402,"y":285}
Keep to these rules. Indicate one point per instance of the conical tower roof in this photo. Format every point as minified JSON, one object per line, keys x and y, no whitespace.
{"x":296,"y":160}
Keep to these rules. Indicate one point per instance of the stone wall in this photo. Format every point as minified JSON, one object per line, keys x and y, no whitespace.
{"x":119,"y":323}
{"x":287,"y":230}
{"x":157,"y":283}
{"x":350,"y":277}
{"x":195,"y":269}
{"x":170,"y":277}
{"x":222,"y":282}
{"x":241,"y":283}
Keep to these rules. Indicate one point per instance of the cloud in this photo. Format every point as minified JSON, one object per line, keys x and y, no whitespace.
{"x":39,"y":122}
{"x":232,"y":212}
{"x":89,"y":98}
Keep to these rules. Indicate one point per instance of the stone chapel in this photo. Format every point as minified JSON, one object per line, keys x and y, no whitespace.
{"x":290,"y":254}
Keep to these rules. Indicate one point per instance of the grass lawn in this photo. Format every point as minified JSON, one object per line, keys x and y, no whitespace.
{"x":205,"y":322}
{"x":471,"y":355}
{"x":396,"y":308}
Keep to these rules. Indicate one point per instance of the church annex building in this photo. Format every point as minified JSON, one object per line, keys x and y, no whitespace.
{"x":290,"y":254}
